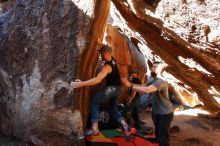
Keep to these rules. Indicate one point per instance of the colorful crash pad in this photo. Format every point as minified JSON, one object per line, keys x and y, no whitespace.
{"x":115,"y":138}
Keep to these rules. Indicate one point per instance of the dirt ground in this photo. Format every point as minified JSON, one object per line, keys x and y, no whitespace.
{"x":194,"y":130}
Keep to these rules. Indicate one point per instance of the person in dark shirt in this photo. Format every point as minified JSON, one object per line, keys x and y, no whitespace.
{"x":112,"y":91}
{"x":134,"y":100}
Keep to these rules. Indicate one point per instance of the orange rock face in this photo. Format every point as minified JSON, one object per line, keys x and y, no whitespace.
{"x":126,"y":54}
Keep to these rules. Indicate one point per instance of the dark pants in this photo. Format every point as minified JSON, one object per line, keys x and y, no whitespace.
{"x":162,"y":126}
{"x":112,"y":93}
{"x":134,"y":112}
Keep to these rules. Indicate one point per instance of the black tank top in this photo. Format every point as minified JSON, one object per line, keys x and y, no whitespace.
{"x":113,"y":79}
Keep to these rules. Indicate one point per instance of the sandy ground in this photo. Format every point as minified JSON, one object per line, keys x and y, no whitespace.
{"x":194,"y":130}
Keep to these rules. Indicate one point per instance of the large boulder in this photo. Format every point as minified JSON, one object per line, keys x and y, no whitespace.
{"x":41,"y":46}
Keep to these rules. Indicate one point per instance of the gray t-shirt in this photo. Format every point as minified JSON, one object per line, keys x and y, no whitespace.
{"x":161,"y":103}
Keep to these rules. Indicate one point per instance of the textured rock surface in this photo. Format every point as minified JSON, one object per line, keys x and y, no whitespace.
{"x":41,"y":43}
{"x":5,"y":5}
{"x":7,"y":141}
{"x":192,"y":63}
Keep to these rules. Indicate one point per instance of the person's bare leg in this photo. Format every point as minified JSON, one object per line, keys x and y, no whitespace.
{"x":95,"y":126}
{"x":126,"y":130}
{"x":94,"y":131}
{"x":124,"y":124}
{"x":126,"y":127}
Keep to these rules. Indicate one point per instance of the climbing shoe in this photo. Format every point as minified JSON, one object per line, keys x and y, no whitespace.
{"x":92,"y":132}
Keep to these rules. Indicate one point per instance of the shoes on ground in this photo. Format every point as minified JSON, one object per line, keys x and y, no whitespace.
{"x":127,"y":132}
{"x":92,"y":132}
